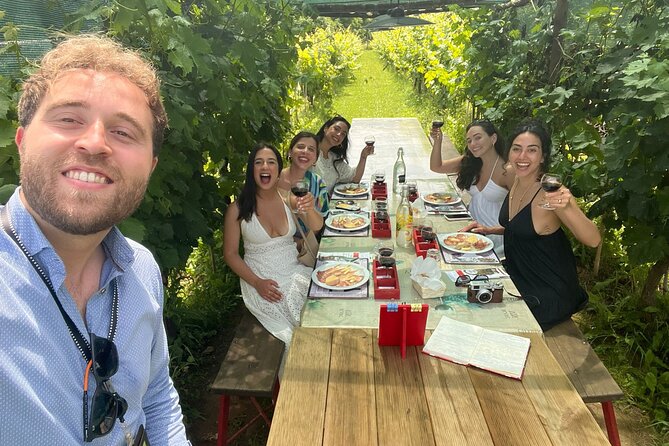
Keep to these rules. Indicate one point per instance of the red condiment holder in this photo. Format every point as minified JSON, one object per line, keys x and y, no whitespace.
{"x":379,"y":190}
{"x":402,"y":325}
{"x":380,"y":229}
{"x":386,"y":283}
{"x":421,"y":245}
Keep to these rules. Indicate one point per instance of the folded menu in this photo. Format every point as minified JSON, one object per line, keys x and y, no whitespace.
{"x":467,"y":344}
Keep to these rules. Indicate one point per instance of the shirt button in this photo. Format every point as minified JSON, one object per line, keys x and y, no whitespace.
{"x":103,"y":290}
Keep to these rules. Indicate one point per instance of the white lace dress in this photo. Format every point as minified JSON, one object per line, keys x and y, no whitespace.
{"x":276,"y":259}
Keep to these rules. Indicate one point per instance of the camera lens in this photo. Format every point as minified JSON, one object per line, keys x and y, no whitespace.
{"x":484,"y":296}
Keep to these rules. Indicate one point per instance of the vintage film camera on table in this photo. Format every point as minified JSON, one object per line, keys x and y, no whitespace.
{"x":484,"y":291}
{"x":481,"y":290}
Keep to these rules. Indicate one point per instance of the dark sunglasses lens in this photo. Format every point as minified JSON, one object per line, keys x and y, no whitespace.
{"x":105,"y":357}
{"x":104,"y":412}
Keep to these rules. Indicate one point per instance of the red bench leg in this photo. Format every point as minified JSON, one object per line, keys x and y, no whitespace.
{"x":610,"y":421}
{"x":223,"y":413}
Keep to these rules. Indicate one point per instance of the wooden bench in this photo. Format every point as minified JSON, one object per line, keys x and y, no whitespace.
{"x":587,"y":373}
{"x":250,"y":369}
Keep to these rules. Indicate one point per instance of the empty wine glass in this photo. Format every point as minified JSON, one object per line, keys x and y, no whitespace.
{"x":550,"y":182}
{"x":299,"y":188}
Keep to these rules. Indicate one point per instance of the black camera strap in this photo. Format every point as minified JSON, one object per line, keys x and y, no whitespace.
{"x":79,"y":340}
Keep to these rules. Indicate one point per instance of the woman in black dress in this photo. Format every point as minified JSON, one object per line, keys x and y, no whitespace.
{"x":539,"y":257}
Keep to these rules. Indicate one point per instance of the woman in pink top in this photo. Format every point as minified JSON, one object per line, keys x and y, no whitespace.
{"x":481,"y":171}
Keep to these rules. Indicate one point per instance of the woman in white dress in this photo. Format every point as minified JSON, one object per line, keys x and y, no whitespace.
{"x":481,"y":171}
{"x":274,"y":284}
{"x":332,"y":164}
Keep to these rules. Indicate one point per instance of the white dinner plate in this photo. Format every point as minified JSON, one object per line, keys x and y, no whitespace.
{"x":441,"y":198}
{"x":472,"y":243}
{"x":347,"y":222}
{"x":340,"y":276}
{"x":351,"y":189}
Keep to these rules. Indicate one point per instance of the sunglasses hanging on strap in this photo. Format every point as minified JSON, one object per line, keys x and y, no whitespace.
{"x":100,"y":354}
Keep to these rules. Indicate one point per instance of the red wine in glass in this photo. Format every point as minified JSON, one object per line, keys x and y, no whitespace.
{"x":550,"y":183}
{"x":437,"y":124}
{"x":382,"y":216}
{"x":385,"y":252}
{"x":427,"y":234}
{"x":386,"y":261}
{"x":299,"y":190}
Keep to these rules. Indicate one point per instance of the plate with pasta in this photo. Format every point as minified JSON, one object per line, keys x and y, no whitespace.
{"x":441,"y":198}
{"x":340,"y":276}
{"x":465,"y":242}
{"x":351,"y":189}
{"x":347,"y":222}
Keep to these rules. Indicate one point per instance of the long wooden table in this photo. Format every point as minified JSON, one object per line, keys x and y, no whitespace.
{"x":340,"y":388}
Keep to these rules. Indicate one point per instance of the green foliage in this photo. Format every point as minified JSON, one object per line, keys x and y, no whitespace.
{"x":226,"y":73}
{"x":327,"y":56}
{"x":9,"y":160}
{"x":198,"y":301}
{"x":607,"y":103}
{"x":636,"y":352}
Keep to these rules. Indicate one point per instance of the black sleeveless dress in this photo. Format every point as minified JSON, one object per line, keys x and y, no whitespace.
{"x":543,"y":268}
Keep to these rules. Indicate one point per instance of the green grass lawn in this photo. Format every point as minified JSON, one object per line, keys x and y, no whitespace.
{"x":378,"y":93}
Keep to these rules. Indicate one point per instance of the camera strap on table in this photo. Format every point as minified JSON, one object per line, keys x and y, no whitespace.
{"x":79,"y":340}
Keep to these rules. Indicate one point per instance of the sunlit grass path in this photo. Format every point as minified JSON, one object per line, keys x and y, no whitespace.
{"x":375,"y":92}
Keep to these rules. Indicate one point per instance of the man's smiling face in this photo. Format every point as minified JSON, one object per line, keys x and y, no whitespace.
{"x":87,"y":154}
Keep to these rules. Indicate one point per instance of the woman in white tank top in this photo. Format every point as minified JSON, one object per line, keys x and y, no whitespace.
{"x":481,"y":171}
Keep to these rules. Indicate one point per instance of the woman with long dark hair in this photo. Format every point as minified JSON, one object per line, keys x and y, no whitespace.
{"x":539,"y":256}
{"x":480,"y":171}
{"x":332,"y":164}
{"x":274,"y":284}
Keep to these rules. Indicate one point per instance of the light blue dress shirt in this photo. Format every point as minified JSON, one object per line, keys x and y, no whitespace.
{"x":41,"y":369}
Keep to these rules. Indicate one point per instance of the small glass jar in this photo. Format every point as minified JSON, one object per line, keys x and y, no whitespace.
{"x":433,"y":253}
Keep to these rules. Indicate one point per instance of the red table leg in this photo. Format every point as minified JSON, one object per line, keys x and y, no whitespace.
{"x":223,"y":413}
{"x":610,"y":421}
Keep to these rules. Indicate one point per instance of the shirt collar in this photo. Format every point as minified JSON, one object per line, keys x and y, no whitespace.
{"x":116,"y":247}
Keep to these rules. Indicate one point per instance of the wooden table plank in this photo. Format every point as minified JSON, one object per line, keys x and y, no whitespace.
{"x":457,"y":417}
{"x":508,"y":410}
{"x":402,"y":413}
{"x":350,"y":417}
{"x":567,"y":420}
{"x":304,"y":386}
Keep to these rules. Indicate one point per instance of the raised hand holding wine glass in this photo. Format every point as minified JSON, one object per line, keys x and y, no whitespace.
{"x":300,"y":189}
{"x":369,"y":144}
{"x":550,"y":183}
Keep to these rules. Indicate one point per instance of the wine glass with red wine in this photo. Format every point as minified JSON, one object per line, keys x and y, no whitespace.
{"x":550,"y":182}
{"x":384,"y":251}
{"x":427,"y":233}
{"x":369,"y":142}
{"x":299,"y":188}
{"x":437,"y":123}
